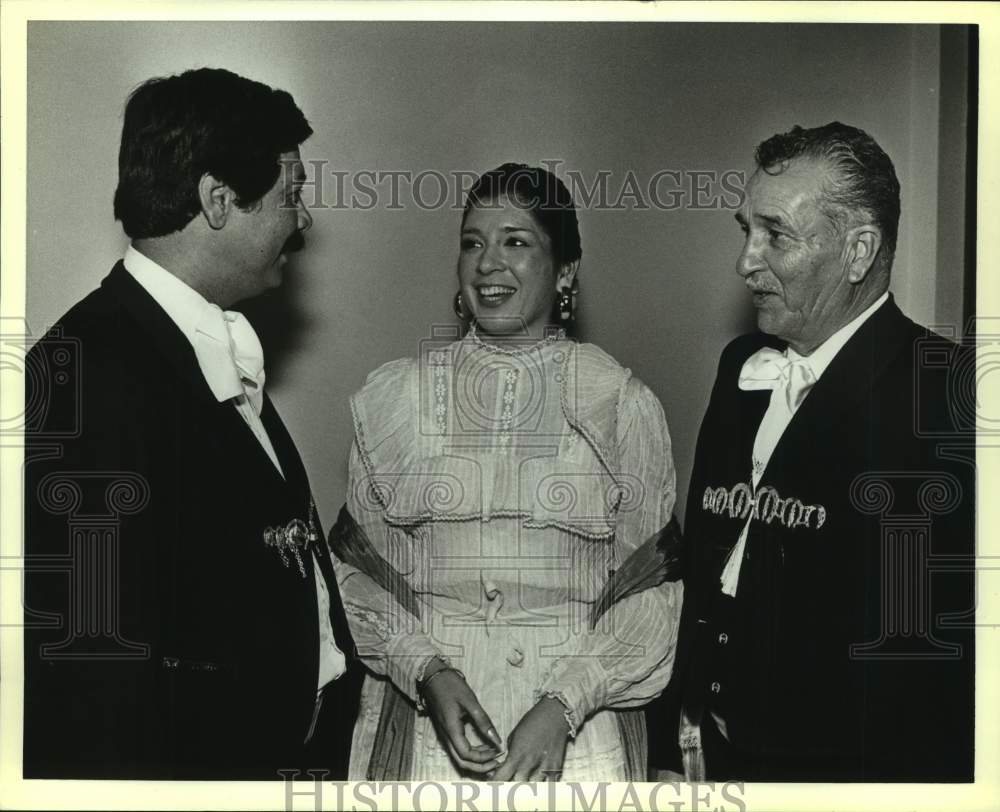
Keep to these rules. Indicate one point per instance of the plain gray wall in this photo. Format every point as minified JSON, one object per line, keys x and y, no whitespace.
{"x":658,"y":287}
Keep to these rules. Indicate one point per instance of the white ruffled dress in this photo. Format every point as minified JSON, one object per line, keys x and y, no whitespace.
{"x":505,"y":487}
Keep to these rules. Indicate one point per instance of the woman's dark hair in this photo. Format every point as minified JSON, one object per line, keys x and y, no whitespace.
{"x":541,"y":193}
{"x":177,"y":128}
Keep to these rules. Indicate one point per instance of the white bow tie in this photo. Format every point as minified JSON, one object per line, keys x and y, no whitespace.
{"x":230,"y":356}
{"x":769,"y":369}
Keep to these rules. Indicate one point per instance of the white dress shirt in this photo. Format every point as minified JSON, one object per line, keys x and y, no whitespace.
{"x":230,"y":357}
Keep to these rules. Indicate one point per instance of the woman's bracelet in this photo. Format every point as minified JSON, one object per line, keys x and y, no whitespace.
{"x":424,"y":682}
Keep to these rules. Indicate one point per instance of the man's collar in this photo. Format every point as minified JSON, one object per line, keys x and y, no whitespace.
{"x":821,"y":357}
{"x":221,"y":359}
{"x":182,"y":303}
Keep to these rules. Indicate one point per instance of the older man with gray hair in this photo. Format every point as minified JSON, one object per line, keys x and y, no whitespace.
{"x":815,"y":645}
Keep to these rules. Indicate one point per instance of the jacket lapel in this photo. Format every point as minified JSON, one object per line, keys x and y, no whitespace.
{"x":752,"y":406}
{"x":152,"y":321}
{"x":284,"y":448}
{"x":852,"y":374}
{"x":300,"y":492}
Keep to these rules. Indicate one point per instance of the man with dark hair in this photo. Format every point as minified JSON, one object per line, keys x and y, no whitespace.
{"x":182,"y":616}
{"x":833,"y":474}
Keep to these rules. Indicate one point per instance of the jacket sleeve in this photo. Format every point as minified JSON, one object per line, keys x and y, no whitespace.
{"x":80,"y":451}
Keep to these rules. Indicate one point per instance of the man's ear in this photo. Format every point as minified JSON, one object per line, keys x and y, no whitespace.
{"x":217,"y":200}
{"x":863,"y":244}
{"x":567,"y":274}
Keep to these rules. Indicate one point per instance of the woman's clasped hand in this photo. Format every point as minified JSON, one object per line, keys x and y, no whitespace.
{"x":535,"y":748}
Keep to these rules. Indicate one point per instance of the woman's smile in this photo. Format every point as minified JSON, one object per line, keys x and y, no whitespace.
{"x":494,"y":295}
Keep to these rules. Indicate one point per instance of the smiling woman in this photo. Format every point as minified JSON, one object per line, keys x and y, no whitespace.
{"x":520,"y":246}
{"x":497,"y":481}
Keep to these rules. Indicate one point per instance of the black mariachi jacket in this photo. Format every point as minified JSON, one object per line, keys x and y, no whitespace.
{"x":164,"y":638}
{"x":835,"y":661}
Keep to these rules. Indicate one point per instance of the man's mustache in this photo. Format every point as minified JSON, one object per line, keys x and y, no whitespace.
{"x":294,"y":243}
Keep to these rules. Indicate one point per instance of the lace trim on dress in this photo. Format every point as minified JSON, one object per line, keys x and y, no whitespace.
{"x":553,"y":336}
{"x":439,"y":361}
{"x":366,"y":459}
{"x":507,"y":416}
{"x":528,"y":520}
{"x":379,"y":626}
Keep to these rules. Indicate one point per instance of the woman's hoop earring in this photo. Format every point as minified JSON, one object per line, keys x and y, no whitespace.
{"x":458,"y":305}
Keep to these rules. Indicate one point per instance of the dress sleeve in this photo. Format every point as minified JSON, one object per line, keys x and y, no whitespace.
{"x":627,"y":660}
{"x":388,"y":639}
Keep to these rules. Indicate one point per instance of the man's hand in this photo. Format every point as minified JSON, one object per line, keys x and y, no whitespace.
{"x":451,"y":702}
{"x":537,"y":746}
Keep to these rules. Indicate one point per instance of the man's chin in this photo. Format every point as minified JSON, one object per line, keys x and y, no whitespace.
{"x":267,"y":283}
{"x":275,"y":275}
{"x":767,"y":323}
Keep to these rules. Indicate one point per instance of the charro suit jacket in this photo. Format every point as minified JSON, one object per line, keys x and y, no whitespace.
{"x":164,"y":638}
{"x":847,"y":652}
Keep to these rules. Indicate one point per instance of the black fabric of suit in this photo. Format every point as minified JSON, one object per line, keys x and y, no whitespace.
{"x":776,"y":661}
{"x":209,"y":656}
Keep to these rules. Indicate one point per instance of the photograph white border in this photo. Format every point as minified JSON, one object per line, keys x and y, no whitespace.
{"x":14,"y":16}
